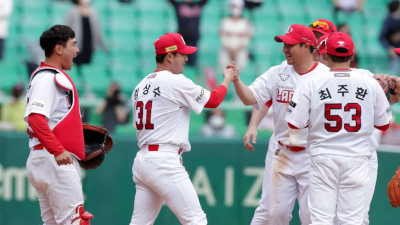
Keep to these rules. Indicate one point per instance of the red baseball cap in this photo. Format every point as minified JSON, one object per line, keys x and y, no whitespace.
{"x":297,"y":34}
{"x":340,"y":44}
{"x":323,"y":26}
{"x":321,"y":44}
{"x":397,"y":50}
{"x":172,"y":42}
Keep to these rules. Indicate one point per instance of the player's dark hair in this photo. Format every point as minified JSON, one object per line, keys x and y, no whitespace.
{"x":160,"y":58}
{"x":393,"y":6}
{"x":339,"y":59}
{"x":56,"y":35}
{"x":76,"y":2}
{"x":311,"y":47}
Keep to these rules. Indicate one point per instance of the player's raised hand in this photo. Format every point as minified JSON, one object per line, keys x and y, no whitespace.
{"x":251,"y":133}
{"x":236,"y":69}
{"x":64,"y":158}
{"x":228,"y":74}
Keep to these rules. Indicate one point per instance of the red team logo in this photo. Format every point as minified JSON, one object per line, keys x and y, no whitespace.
{"x":283,"y":95}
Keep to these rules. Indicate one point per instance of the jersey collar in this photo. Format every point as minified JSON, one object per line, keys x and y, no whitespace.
{"x":312,"y":68}
{"x":341,"y":69}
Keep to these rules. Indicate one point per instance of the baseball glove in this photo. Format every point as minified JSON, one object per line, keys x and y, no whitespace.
{"x":393,"y":189}
{"x":98,"y":142}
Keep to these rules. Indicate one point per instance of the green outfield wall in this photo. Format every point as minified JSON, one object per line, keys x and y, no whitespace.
{"x":227,"y":178}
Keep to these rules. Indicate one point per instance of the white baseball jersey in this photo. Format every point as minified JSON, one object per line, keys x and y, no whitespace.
{"x":278,"y":84}
{"x":161,"y":108}
{"x":339,"y":107}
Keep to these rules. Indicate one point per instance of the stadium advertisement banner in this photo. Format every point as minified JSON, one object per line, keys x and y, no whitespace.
{"x":227,"y":178}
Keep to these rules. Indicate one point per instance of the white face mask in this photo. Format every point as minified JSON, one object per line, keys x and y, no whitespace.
{"x":396,"y":15}
{"x":87,"y":2}
{"x":236,"y":11}
{"x":217,"y":122}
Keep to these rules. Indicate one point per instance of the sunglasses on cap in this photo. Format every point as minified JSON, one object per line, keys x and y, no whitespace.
{"x":320,"y":25}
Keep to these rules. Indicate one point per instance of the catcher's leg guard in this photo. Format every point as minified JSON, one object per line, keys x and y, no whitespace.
{"x":81,"y":217}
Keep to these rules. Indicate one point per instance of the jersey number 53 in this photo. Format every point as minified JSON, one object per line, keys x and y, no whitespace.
{"x":356,"y":117}
{"x":140,"y":108}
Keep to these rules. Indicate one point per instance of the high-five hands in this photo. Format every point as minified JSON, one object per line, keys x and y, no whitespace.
{"x":235,"y":69}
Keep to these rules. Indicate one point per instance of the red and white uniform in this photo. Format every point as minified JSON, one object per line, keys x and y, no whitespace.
{"x":340,"y":109}
{"x":161,"y":109}
{"x":289,"y":172}
{"x":52,"y":94}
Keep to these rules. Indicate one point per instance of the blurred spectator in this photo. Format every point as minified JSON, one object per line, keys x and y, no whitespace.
{"x":114,"y":108}
{"x":36,"y":55}
{"x":346,"y":29}
{"x":235,"y":33}
{"x":390,"y":35}
{"x":347,"y":7}
{"x":216,"y":126}
{"x":12,"y":112}
{"x":6,"y":7}
{"x":84,"y":20}
{"x":188,"y":14}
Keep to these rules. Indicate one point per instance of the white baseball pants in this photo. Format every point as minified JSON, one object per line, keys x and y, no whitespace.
{"x":289,"y":180}
{"x":338,"y":186}
{"x":160,"y":177}
{"x":59,"y":188}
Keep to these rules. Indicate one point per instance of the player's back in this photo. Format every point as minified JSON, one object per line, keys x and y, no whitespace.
{"x":342,"y":116}
{"x":160,"y":111}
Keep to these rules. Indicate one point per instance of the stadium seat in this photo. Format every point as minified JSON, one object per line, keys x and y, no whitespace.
{"x":9,"y":75}
{"x":126,"y":129}
{"x":126,"y":76}
{"x":196,"y":121}
{"x":95,"y":78}
{"x":238,"y":119}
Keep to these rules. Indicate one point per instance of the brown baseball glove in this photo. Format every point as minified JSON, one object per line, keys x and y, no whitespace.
{"x":393,"y":189}
{"x":98,"y":142}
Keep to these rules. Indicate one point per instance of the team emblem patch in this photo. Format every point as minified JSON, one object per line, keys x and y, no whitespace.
{"x":341,"y":75}
{"x":283,"y":76}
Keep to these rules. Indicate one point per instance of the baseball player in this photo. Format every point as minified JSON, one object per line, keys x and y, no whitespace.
{"x":55,"y":130}
{"x":322,"y":27}
{"x":161,"y":104}
{"x":375,"y":137}
{"x":319,"y":27}
{"x":331,"y":105}
{"x":289,"y":169}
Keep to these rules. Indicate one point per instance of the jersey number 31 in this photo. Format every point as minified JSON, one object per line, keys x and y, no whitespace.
{"x":140,"y":107}
{"x":356,"y":117}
